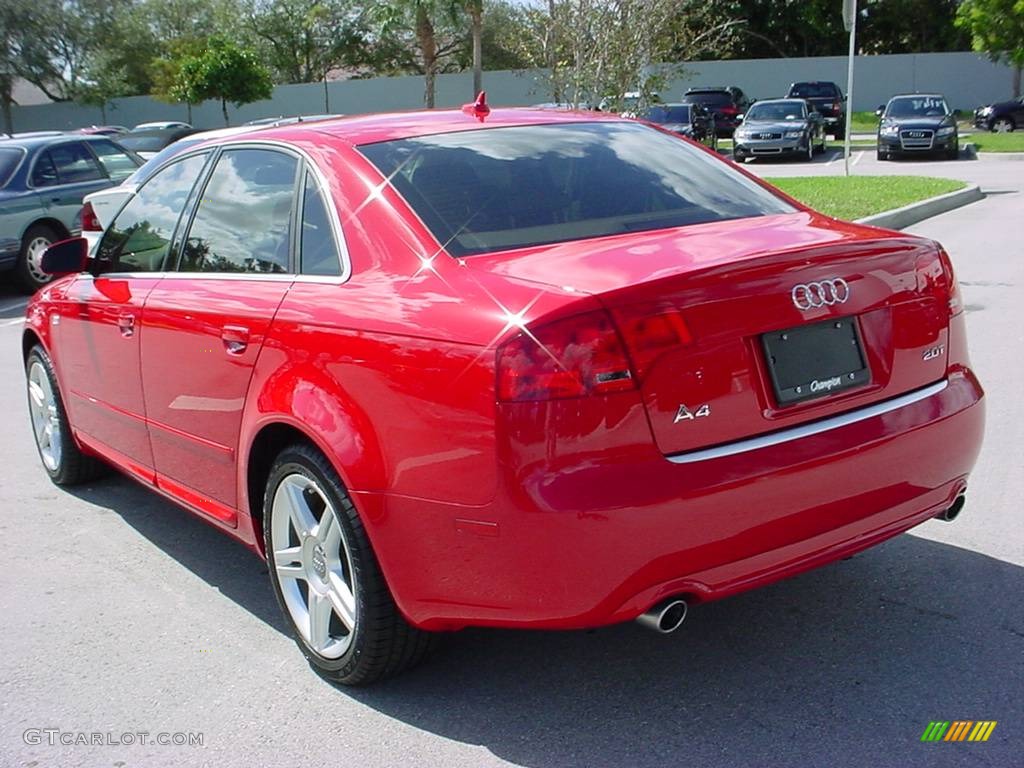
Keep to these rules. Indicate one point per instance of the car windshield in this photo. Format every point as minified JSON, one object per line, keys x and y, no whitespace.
{"x":813,"y":90}
{"x":779,"y":110}
{"x":917,"y":106}
{"x":491,"y":190}
{"x":711,"y":98}
{"x":10,"y":157}
{"x":673,"y":114}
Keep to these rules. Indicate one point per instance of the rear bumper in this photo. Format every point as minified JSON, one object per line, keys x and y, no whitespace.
{"x":601,"y":541}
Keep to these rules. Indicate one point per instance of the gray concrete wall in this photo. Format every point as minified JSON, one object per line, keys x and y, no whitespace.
{"x":966,"y":79}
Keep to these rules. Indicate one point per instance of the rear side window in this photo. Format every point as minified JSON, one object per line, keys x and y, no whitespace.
{"x":139,"y":237}
{"x":318,"y":252}
{"x":118,"y":164}
{"x":243,"y":220}
{"x":44,"y":172}
{"x":500,"y":188}
{"x":75,"y":163}
{"x":10,"y":159}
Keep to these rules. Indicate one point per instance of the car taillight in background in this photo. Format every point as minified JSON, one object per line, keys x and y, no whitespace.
{"x":729,"y":110}
{"x":90,"y":223}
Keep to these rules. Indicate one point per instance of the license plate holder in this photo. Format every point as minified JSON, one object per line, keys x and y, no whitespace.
{"x":816,"y":360}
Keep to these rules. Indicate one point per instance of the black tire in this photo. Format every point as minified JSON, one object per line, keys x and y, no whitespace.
{"x":72,"y":466}
{"x":27,"y":273}
{"x":381,"y":643}
{"x":953,"y":153}
{"x":809,"y":157}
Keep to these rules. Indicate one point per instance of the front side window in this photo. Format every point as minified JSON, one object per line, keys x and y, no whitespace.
{"x":494,"y":189}
{"x":318,"y":251}
{"x":75,"y":163}
{"x":118,"y":164}
{"x":243,"y":220}
{"x":139,"y":237}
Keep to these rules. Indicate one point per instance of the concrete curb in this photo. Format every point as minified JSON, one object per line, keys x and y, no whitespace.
{"x":899,"y":218}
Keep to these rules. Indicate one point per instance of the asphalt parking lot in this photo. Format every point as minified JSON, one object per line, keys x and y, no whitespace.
{"x":124,"y":614}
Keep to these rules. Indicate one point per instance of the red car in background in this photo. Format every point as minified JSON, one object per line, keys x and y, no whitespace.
{"x":518,"y":368}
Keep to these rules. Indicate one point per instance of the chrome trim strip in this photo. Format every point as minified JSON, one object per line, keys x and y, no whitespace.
{"x":807,"y":430}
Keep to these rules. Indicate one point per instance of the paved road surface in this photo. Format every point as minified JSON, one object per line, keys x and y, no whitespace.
{"x":121,"y":613}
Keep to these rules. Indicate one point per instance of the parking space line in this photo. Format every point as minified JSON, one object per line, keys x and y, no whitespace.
{"x":15,"y":321}
{"x":15,"y":305}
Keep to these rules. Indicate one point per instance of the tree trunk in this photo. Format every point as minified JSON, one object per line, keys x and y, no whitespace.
{"x":552,"y":54}
{"x":189,"y":105}
{"x":224,"y":109}
{"x":6,"y":100}
{"x":1016,"y":81}
{"x":428,"y":48}
{"x":103,"y":112}
{"x":476,"y":12}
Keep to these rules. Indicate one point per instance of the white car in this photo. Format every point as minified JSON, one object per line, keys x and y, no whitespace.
{"x":99,"y":208}
{"x":160,"y":125}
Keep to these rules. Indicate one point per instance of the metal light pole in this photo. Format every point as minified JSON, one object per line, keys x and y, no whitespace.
{"x":850,"y":23}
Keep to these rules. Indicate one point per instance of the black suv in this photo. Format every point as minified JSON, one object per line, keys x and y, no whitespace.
{"x":727,"y":105}
{"x":1002,"y":117}
{"x":690,"y":120}
{"x":827,"y":99}
{"x":917,"y":123}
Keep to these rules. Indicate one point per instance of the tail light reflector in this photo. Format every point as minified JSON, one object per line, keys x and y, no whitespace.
{"x":90,"y":223}
{"x":578,"y":356}
{"x":935,"y":275}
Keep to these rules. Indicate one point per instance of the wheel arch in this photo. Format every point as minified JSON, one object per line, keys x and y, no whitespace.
{"x":47,"y":221}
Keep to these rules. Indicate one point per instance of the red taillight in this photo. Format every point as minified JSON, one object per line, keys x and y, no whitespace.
{"x":90,"y":223}
{"x":935,"y":276}
{"x":729,"y":109}
{"x":578,"y":356}
{"x":648,"y":336}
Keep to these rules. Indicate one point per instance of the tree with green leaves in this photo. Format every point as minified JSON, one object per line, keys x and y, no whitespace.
{"x":431,"y":28}
{"x":226,"y":72}
{"x":997,"y":30}
{"x":165,"y":71}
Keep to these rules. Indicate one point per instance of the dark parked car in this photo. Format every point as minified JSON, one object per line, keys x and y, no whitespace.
{"x":42,"y":183}
{"x":779,"y":127}
{"x":147,"y":143}
{"x":827,"y":99}
{"x":1003,"y":117}
{"x":727,"y":105}
{"x":690,"y":120}
{"x":917,"y":124}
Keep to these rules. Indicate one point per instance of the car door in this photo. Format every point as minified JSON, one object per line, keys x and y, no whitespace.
{"x":205,"y":324}
{"x":62,"y":175}
{"x":98,"y":331}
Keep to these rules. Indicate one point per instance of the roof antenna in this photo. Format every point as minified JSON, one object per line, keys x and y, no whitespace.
{"x":478,"y":108}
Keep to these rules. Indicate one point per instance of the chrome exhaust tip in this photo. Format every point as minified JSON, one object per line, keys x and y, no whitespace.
{"x":665,"y":617}
{"x":953,"y":512}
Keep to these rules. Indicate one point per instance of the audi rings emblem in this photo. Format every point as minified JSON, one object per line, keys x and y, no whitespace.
{"x":823,"y":293}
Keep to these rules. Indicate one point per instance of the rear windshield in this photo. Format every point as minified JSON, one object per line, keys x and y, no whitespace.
{"x":144,"y":143}
{"x":494,"y":189}
{"x":813,"y":90}
{"x":673,"y":114}
{"x":10,"y":158}
{"x":147,"y":168}
{"x":711,"y":98}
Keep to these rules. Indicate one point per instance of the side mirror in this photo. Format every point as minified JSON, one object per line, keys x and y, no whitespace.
{"x":956,"y":113}
{"x":740,"y":116}
{"x":880,"y":110}
{"x":68,"y":257}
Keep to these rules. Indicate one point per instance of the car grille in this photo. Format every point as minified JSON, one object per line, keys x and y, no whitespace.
{"x":765,"y":136}
{"x":917,"y":138}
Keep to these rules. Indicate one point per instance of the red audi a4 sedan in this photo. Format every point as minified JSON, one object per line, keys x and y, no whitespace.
{"x":519,"y":369}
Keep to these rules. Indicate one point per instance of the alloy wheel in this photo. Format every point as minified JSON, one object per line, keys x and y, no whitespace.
{"x":1002,"y":125}
{"x":311,"y":559}
{"x":34,"y":258}
{"x":45,"y":416}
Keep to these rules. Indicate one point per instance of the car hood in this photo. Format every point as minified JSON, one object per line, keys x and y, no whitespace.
{"x":918,"y":122}
{"x":775,"y":126}
{"x":1000,"y":105}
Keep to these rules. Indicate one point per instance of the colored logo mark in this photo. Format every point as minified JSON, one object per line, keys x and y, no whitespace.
{"x":958,"y":730}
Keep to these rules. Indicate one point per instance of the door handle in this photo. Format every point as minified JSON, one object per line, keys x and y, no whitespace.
{"x":235,"y":338}
{"x":126,"y":324}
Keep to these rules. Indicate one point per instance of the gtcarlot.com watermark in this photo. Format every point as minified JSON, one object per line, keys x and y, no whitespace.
{"x":53,"y":737}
